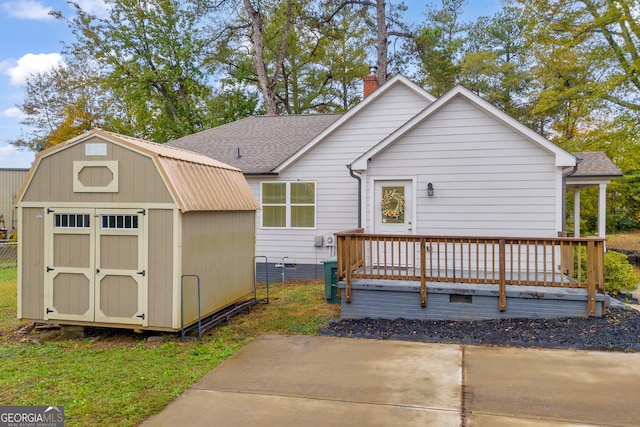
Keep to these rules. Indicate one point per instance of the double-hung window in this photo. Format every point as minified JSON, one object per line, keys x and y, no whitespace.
{"x":289,"y":204}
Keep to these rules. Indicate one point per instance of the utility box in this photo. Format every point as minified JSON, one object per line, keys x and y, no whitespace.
{"x":331,"y":280}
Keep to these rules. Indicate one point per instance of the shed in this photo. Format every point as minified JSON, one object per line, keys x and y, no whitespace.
{"x":109,"y":225}
{"x":10,"y":181}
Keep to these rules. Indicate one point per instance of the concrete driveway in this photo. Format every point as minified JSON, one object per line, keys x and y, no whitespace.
{"x":321,"y":381}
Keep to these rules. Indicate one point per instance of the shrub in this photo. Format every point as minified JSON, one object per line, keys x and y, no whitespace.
{"x":619,"y":275}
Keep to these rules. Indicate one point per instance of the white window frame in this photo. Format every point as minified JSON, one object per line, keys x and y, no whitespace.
{"x":288,"y":205}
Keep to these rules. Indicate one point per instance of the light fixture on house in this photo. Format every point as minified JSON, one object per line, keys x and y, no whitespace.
{"x":430,"y":189}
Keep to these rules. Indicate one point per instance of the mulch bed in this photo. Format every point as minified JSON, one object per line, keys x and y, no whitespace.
{"x":618,"y":330}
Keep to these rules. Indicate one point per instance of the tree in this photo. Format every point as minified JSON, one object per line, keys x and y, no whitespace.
{"x":385,"y":23}
{"x":438,"y":46}
{"x":494,"y":62}
{"x":64,"y":102}
{"x":154,"y":52}
{"x":268,"y":78}
{"x":586,"y":61}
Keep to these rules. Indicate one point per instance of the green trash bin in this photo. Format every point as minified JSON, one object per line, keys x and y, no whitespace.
{"x":331,"y":280}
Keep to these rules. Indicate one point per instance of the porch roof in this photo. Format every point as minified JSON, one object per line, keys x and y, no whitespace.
{"x":593,"y":167}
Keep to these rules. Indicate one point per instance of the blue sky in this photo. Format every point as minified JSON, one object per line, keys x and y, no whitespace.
{"x":32,"y":41}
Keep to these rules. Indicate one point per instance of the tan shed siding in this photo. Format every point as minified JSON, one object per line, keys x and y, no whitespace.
{"x":10,"y":183}
{"x":200,"y":187}
{"x":219,"y":247}
{"x":139,"y":180}
{"x":160,"y":288}
{"x":31,"y":246}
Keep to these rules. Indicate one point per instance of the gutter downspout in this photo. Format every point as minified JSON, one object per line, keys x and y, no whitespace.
{"x":564,"y":193}
{"x":359,"y":179}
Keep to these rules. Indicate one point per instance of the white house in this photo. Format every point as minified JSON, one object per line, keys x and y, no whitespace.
{"x":401,"y":161}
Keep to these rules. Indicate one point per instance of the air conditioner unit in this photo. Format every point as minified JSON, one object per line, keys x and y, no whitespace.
{"x":329,"y":240}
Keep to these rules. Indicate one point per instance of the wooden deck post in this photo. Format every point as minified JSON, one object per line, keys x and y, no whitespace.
{"x":502,"y":304}
{"x":592,"y":273}
{"x":423,"y":273}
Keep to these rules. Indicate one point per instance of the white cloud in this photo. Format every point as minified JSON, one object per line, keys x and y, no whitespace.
{"x":27,"y":9}
{"x":13,"y":112}
{"x":97,"y":7}
{"x":11,"y":157}
{"x":30,"y":64}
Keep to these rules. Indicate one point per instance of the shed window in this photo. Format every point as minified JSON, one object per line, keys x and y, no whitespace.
{"x":119,"y":222}
{"x":289,"y":204}
{"x":72,"y":221}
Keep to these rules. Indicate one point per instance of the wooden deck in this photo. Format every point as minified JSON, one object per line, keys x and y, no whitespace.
{"x":561,"y":262}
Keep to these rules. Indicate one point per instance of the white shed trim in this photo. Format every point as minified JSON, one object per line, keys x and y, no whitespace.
{"x":563,"y":158}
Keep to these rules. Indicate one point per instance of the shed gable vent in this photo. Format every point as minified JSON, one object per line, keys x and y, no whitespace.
{"x":95,"y":177}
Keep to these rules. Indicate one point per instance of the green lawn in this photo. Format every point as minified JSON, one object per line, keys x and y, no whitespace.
{"x":119,"y":378}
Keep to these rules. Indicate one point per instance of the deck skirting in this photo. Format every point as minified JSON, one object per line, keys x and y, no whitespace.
{"x":392,"y":299}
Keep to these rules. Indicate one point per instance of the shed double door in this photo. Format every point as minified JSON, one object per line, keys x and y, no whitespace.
{"x":96,"y":265}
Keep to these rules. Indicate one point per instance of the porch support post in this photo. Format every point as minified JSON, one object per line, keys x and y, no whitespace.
{"x":602,"y":210}
{"x":576,"y":212}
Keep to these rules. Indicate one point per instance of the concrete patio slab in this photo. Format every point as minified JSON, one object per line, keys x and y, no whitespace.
{"x":204,"y":408}
{"x":594,"y":388}
{"x":322,"y":381}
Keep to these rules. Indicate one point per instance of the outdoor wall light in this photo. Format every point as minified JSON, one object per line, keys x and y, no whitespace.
{"x":430,"y":189}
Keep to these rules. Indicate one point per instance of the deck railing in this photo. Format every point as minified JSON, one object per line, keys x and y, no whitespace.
{"x":555,"y":262}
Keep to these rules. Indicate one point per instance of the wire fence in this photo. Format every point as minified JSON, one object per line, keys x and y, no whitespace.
{"x":8,"y":284}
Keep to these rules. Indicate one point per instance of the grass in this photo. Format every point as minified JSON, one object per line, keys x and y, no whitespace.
{"x":627,"y":241}
{"x":120,"y":378}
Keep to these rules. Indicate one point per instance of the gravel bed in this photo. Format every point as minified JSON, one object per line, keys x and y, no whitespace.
{"x":618,"y":330}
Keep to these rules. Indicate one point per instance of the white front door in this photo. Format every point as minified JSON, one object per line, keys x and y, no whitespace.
{"x":96,"y":266}
{"x":393,"y":215}
{"x":393,"y":207}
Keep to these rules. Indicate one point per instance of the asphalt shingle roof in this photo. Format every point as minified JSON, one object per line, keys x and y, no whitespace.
{"x":595,"y":164}
{"x":257,"y":144}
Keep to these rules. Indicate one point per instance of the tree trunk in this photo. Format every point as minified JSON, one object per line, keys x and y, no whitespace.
{"x":383,"y":41}
{"x":267,"y":84}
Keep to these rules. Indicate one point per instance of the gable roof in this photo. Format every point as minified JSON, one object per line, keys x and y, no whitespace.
{"x":563,"y":158}
{"x":592,"y":164}
{"x":269,"y":144}
{"x":196,"y":182}
{"x":257,"y":144}
{"x":396,"y":80}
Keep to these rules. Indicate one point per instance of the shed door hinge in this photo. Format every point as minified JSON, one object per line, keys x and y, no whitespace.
{"x":49,"y":210}
{"x":142,"y":273}
{"x":50,"y":269}
{"x":143,"y":212}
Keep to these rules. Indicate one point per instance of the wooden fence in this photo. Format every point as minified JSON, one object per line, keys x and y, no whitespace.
{"x":554,"y":262}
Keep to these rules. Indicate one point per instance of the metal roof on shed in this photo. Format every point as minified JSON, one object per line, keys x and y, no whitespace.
{"x":196,"y":182}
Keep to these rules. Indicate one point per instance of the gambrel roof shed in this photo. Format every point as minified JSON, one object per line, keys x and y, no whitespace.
{"x":195,"y":182}
{"x":111,"y":225}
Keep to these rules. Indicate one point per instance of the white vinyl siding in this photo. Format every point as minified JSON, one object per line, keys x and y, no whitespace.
{"x":336,"y":190}
{"x":488,"y":180}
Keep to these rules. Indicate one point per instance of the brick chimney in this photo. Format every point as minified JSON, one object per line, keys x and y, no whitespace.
{"x":370,"y":82}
